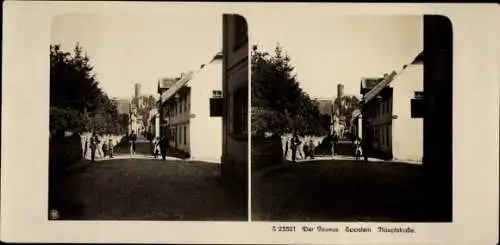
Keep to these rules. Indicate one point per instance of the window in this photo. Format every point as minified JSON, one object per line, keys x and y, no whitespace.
{"x":174,"y":135}
{"x":179,"y":138}
{"x":419,"y":94}
{"x":185,"y":138}
{"x":165,"y":112}
{"x":417,"y":108}
{"x":388,"y":129}
{"x":181,"y":106}
{"x":240,"y":32}
{"x":390,"y":105}
{"x":381,"y":135}
{"x":240,"y":111}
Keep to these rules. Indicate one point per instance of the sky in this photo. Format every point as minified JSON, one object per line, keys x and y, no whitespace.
{"x":140,"y":48}
{"x":326,"y":49}
{"x":331,"y":49}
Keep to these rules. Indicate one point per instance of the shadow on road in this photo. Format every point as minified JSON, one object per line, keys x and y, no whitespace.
{"x":149,"y":189}
{"x":340,"y":190}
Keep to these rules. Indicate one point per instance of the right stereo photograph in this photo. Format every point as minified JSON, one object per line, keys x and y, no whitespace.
{"x":351,"y":118}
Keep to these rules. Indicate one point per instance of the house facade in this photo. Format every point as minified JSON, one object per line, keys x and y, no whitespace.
{"x":164,"y":84}
{"x":185,"y":107}
{"x":154,"y":122}
{"x":356,"y":124}
{"x":391,"y":109}
{"x":235,"y":92}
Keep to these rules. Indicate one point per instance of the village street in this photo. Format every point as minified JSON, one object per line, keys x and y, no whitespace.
{"x":339,"y":190}
{"x":144,"y":188}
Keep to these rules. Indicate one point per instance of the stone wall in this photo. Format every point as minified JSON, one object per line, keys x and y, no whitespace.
{"x":266,"y":151}
{"x":64,"y":151}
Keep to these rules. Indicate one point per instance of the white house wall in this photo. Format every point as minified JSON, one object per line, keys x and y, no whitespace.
{"x":407,"y":132}
{"x":205,"y":131}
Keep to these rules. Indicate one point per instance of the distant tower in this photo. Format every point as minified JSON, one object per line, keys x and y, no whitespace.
{"x":340,"y":90}
{"x":137,"y":90}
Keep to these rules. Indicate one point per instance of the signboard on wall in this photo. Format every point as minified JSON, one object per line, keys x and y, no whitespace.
{"x":216,"y":107}
{"x":417,"y":108}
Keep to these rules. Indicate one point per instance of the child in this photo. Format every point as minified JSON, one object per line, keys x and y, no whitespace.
{"x":357,"y":145}
{"x":309,"y":149}
{"x":156,"y":147}
{"x":104,"y":149}
{"x":110,"y":148}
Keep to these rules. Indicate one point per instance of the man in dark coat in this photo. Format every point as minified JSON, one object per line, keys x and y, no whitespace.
{"x":94,"y":142}
{"x":366,"y":141}
{"x":294,"y":143}
{"x":163,"y":147}
{"x":132,"y":140}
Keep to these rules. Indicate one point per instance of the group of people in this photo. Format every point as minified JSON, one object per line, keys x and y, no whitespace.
{"x":98,"y":144}
{"x":160,"y":146}
{"x":102,"y":146}
{"x":302,"y":149}
{"x":306,"y":150}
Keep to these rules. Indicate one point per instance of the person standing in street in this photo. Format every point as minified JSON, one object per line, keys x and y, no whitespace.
{"x":331,"y":143}
{"x":366,"y":142}
{"x":163,"y":147}
{"x":132,"y":139}
{"x":156,"y":147}
{"x":99,"y":145}
{"x":86,"y":146}
{"x":312,"y":148}
{"x":357,"y":147}
{"x":94,"y":143}
{"x":335,"y":144}
{"x":295,"y":143}
{"x":309,"y":149}
{"x":286,"y":143}
{"x":104,"y":148}
{"x":110,"y":147}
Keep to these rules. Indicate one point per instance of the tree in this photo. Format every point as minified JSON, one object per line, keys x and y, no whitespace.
{"x":279,"y":105}
{"x":77,"y":103}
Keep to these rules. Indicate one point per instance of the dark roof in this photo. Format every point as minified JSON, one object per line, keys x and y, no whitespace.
{"x":368,"y":83}
{"x":218,"y":56}
{"x":371,"y":94}
{"x":174,"y":88}
{"x":123,"y":105}
{"x":419,"y":59}
{"x":325,"y":106}
{"x":166,"y":83}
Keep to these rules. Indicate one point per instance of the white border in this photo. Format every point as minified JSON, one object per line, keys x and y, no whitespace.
{"x":26,"y":35}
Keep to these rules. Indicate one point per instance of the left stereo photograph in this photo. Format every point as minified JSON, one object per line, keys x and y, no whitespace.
{"x":148,"y":117}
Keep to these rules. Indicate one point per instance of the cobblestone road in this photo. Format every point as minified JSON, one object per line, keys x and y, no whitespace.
{"x":340,"y":190}
{"x":151,"y":189}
